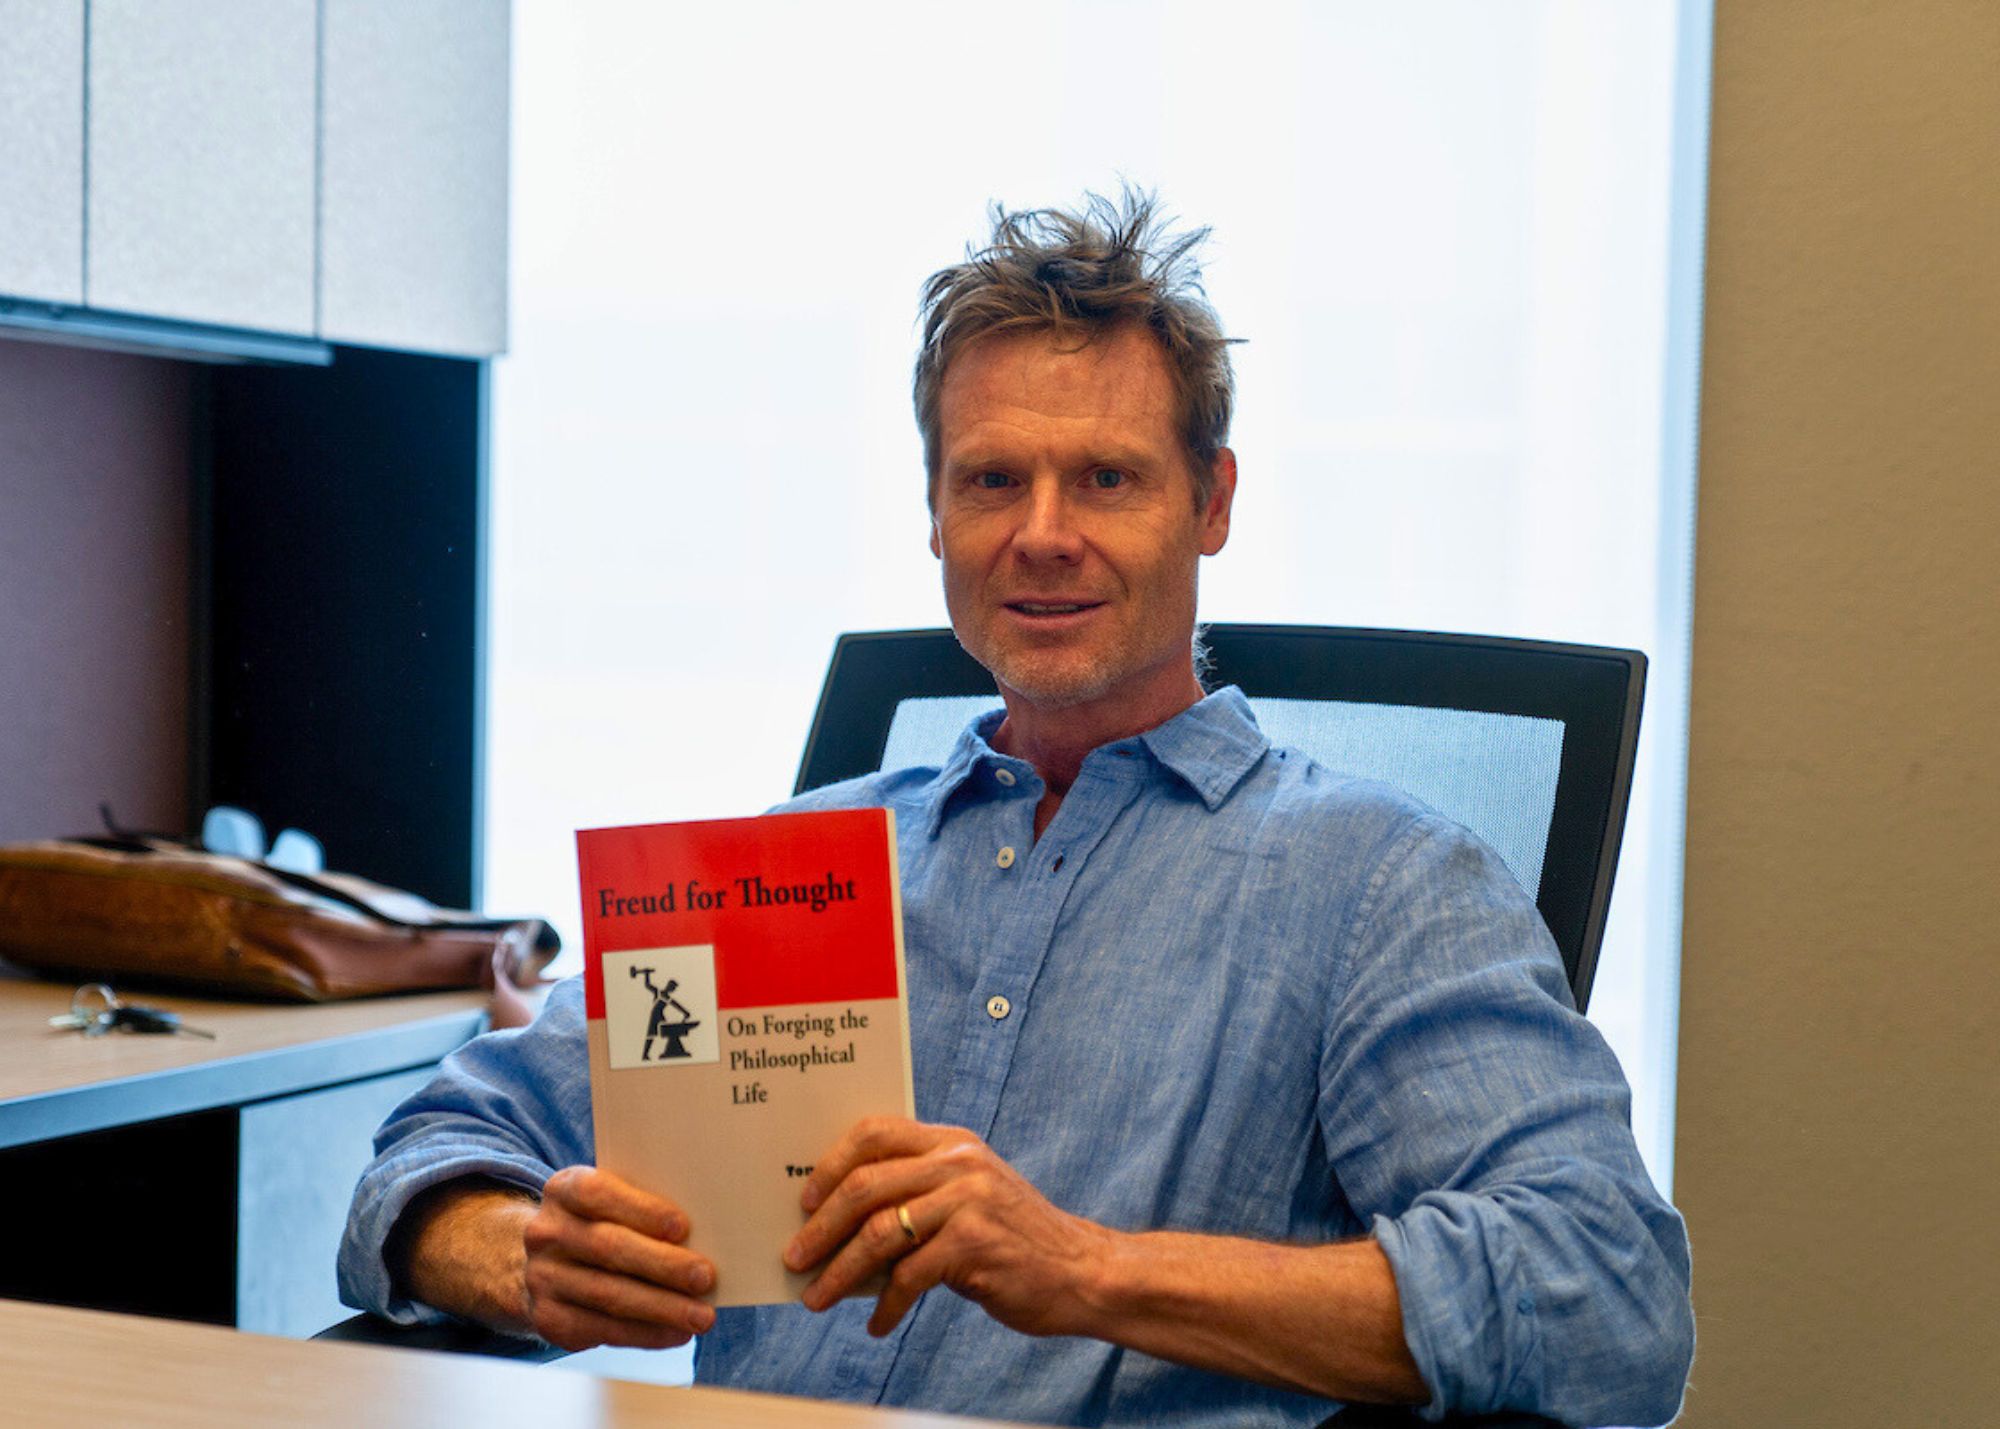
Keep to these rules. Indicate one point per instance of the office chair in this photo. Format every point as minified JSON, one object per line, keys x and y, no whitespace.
{"x":1529,"y":744}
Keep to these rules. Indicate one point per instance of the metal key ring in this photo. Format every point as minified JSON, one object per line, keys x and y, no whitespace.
{"x":112,"y":1002}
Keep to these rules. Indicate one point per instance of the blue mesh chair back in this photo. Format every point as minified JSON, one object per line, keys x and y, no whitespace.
{"x":1529,"y":744}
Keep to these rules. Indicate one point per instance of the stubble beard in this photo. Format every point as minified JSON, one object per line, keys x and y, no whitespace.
{"x":1058,"y":678}
{"x":1050,"y":683}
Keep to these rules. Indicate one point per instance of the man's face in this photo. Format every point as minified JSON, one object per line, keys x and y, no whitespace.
{"x":1065,"y":516}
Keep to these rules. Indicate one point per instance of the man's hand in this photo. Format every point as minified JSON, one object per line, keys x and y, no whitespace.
{"x":598,"y":1262}
{"x":975,"y":1225}
{"x":1325,"y":1319}
{"x":605,"y":1266}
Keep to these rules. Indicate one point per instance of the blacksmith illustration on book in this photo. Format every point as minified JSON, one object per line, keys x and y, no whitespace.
{"x":670,"y":1034}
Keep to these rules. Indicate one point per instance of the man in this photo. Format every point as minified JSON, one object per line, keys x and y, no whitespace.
{"x":1243,"y":1088}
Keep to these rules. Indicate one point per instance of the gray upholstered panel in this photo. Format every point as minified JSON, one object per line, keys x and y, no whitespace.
{"x":299,"y":1159}
{"x":94,"y":602}
{"x":1494,"y":773}
{"x":923,"y":730}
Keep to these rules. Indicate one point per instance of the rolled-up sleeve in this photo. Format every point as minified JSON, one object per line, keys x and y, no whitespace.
{"x":510,"y":1106}
{"x":1483,"y":1129}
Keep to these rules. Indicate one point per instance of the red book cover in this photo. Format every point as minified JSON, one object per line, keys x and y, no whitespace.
{"x":744,"y":984}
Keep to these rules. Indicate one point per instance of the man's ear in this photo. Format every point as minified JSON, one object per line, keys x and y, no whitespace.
{"x":937,"y":547}
{"x":1215,"y":511}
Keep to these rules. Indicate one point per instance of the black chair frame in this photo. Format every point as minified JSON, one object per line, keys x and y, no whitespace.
{"x":1594,"y":691}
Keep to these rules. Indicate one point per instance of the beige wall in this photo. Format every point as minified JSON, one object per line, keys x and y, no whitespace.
{"x":1839,"y":1144}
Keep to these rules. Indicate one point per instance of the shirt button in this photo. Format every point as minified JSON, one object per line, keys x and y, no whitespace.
{"x":1006,"y":858}
{"x":1005,"y":776}
{"x":998,"y":1007}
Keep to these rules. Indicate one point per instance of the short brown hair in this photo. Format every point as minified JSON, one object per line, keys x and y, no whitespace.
{"x":1084,"y":272}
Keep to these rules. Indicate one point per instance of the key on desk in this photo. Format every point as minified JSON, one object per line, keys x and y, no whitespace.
{"x":118,"y":1015}
{"x":134,"y":1017}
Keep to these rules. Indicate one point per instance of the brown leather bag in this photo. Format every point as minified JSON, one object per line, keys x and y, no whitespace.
{"x":141,"y":908}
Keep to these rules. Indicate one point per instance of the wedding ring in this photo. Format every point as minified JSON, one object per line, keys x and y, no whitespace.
{"x":903,"y":1220}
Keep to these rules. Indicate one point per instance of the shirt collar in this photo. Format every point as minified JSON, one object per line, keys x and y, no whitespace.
{"x":968,"y":753}
{"x":1210,"y":746}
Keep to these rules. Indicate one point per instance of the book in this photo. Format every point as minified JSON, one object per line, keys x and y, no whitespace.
{"x":743,"y":980}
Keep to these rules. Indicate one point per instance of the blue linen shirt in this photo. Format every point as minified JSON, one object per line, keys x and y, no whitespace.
{"x":1243,"y":995}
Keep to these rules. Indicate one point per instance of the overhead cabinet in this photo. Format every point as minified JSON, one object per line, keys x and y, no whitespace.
{"x":201,"y":160}
{"x":413,"y":175}
{"x":41,"y":149}
{"x":331,"y":169}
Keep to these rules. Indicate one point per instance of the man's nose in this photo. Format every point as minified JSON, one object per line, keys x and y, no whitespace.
{"x":1048,"y":529}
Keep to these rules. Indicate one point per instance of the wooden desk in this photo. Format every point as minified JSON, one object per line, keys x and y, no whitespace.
{"x":74,"y":1366}
{"x":61,"y":1083}
{"x":230,"y":1161}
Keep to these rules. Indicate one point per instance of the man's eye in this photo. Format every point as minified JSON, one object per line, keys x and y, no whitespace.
{"x":1105,"y":478}
{"x":991,"y":480}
